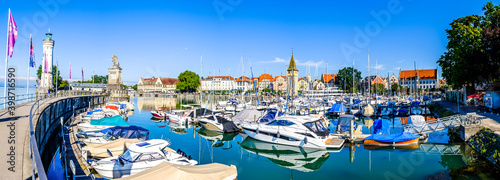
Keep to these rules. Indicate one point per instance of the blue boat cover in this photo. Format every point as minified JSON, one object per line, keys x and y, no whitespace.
{"x":410,"y":98}
{"x":344,"y":123}
{"x":392,"y":138}
{"x":92,"y":112}
{"x":338,"y":108}
{"x":415,"y":102}
{"x":402,"y":110}
{"x":109,"y":121}
{"x":129,"y":132}
{"x":381,"y":126}
{"x":269,"y":116}
{"x":357,"y":101}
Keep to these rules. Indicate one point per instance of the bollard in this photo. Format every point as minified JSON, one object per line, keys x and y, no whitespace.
{"x":351,"y":130}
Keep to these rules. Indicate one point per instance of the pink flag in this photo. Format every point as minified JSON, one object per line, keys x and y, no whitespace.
{"x":12,"y":35}
{"x":38,"y":81}
{"x":69,"y":70}
{"x":93,"y":74}
{"x":82,"y":75}
{"x":32,"y":54}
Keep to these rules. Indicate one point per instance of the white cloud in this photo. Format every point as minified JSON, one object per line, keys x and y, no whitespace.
{"x":379,"y":66}
{"x":397,"y":68}
{"x":276,"y":60}
{"x":401,"y":61}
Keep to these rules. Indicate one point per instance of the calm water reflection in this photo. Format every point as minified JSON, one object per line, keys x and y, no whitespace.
{"x":259,"y":160}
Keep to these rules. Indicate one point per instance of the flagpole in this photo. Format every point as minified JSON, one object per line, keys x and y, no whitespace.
{"x":28,"y":78}
{"x":57,"y":74}
{"x":6,"y":63}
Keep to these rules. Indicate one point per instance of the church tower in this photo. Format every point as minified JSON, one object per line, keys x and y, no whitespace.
{"x":46,"y":81}
{"x":292,"y":78}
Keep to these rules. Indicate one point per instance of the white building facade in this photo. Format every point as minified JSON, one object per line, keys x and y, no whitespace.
{"x":218,"y":83}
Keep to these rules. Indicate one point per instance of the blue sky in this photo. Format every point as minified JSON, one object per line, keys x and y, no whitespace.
{"x":164,"y":38}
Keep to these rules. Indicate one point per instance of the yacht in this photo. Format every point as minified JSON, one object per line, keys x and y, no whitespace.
{"x":218,"y":123}
{"x":139,"y":157}
{"x":301,"y":131}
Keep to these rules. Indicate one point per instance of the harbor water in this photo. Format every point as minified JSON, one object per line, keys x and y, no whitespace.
{"x":259,"y":160}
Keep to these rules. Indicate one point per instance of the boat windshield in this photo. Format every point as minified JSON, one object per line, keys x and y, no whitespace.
{"x":320,"y":125}
{"x":280,"y":123}
{"x":312,"y":126}
{"x":129,"y":156}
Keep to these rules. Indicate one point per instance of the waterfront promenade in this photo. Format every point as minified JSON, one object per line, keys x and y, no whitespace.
{"x":491,"y":121}
{"x":14,"y":137}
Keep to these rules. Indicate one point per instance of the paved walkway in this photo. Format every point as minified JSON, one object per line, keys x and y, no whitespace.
{"x":15,"y":162}
{"x":492,"y":120}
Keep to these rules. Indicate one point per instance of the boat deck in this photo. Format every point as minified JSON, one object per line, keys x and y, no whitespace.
{"x":334,"y":142}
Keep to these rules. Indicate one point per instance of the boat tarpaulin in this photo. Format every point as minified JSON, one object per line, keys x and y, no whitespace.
{"x":116,"y":147}
{"x":269,"y":116}
{"x":338,"y":108}
{"x":201,"y":112}
{"x":129,"y":132}
{"x":392,"y":138}
{"x":228,"y":126}
{"x":109,"y":121}
{"x":416,"y":120}
{"x":111,"y":107}
{"x":344,"y":123}
{"x":166,"y":170}
{"x":381,"y":126}
{"x":368,"y":110}
{"x":247,"y":116}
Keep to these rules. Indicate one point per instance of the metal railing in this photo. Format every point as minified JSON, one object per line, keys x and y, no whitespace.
{"x":23,"y":98}
{"x":36,"y":161}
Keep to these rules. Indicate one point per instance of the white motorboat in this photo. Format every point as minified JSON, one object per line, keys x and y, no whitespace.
{"x":179,"y":116}
{"x":301,"y":131}
{"x":139,"y":157}
{"x":217,"y":123}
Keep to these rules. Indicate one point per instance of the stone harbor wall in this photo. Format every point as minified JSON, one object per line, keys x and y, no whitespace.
{"x":487,"y":144}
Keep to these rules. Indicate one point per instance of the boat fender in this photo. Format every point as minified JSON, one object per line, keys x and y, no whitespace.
{"x":278,"y":134}
{"x":257,"y":131}
{"x":305,"y":140}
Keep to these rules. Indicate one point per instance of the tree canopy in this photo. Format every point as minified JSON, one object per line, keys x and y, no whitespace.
{"x":55,"y":77}
{"x":345,"y":75}
{"x":188,"y":81}
{"x":473,"y":49}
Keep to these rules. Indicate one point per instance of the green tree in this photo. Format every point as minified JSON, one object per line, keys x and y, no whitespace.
{"x":345,"y":76}
{"x":395,"y":87}
{"x":56,"y":75}
{"x":378,"y":88}
{"x":134,"y":87}
{"x":266,"y":90}
{"x":473,"y":50}
{"x":491,"y":40}
{"x":64,"y":84}
{"x":188,"y":81}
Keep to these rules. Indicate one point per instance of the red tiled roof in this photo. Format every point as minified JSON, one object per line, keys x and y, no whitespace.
{"x":329,"y":77}
{"x":276,"y":77}
{"x":148,"y":80}
{"x":265,"y":76}
{"x":422,"y":74}
{"x":169,"y":81}
{"x":219,"y":77}
{"x":243,"y":78}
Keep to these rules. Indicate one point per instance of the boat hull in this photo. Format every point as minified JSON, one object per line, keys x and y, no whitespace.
{"x":402,"y":143}
{"x":299,"y":141}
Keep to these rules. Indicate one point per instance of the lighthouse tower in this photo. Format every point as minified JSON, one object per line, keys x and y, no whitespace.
{"x":46,"y":82}
{"x":292,"y":78}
